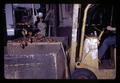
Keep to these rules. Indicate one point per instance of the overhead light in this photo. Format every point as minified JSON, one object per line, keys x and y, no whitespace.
{"x":15,"y":4}
{"x":40,"y":14}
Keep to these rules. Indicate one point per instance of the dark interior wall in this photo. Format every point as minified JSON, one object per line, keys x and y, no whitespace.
{"x":65,"y":32}
{"x":3,"y":38}
{"x":117,"y":24}
{"x":57,"y":14}
{"x":64,"y":28}
{"x":56,"y":19}
{"x":116,"y":16}
{"x":3,"y":32}
{"x":53,"y":19}
{"x":43,"y":9}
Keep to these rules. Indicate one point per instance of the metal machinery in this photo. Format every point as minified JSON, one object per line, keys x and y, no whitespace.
{"x":35,"y":57}
{"x":48,"y":60}
{"x":87,"y":67}
{"x":36,"y":61}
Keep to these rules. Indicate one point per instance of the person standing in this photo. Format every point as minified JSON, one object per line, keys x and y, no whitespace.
{"x":40,"y":25}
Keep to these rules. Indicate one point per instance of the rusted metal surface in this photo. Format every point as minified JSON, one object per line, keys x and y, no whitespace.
{"x":36,"y":61}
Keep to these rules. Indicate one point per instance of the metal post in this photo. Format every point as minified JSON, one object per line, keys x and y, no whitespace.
{"x":83,"y":31}
{"x":33,"y":13}
{"x":74,"y":37}
{"x":111,"y":16}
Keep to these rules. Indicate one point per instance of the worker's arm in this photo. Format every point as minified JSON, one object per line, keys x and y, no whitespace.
{"x":111,"y":28}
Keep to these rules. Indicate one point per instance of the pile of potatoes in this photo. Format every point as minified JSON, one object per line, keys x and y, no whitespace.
{"x":30,"y":39}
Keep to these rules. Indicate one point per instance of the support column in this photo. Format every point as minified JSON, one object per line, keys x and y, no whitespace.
{"x":74,"y":37}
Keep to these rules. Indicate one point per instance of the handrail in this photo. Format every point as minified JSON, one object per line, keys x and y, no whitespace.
{"x":83,"y":30}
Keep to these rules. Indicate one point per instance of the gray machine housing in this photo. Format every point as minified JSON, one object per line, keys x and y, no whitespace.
{"x":35,"y":61}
